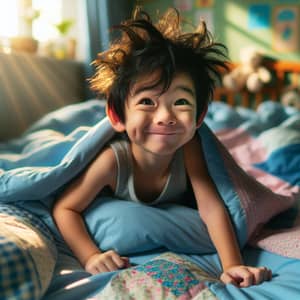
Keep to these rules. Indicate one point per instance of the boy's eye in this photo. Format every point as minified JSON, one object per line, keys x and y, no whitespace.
{"x":146,"y":101}
{"x":182,"y":102}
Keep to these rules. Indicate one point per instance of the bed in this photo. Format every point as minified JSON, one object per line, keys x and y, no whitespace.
{"x":170,"y":252}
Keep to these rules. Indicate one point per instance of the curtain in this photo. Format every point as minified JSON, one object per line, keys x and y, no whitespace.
{"x":101,"y":16}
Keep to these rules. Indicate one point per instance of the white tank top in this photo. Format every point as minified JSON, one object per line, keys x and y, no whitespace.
{"x":173,"y":190}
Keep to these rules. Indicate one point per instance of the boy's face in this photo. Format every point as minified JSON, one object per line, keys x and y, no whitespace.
{"x":161,"y":123}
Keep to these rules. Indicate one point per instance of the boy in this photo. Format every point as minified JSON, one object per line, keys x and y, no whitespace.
{"x":158,"y":82}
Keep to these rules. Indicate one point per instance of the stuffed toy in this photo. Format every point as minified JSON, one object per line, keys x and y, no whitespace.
{"x":291,"y":96}
{"x":249,"y":74}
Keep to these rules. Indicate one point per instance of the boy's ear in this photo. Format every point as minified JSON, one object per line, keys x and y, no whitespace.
{"x":202,"y":116}
{"x":114,"y":119}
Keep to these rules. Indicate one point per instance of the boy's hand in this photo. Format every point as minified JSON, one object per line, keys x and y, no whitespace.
{"x":244,"y":276}
{"x":106,"y":262}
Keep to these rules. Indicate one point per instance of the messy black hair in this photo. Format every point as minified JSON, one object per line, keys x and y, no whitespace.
{"x":144,"y":48}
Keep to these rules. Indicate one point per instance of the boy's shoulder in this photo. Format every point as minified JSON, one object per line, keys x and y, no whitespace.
{"x":105,"y":159}
{"x":110,"y":154}
{"x":104,"y":167}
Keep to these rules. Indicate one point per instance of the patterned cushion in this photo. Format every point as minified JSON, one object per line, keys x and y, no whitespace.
{"x":27,"y":255}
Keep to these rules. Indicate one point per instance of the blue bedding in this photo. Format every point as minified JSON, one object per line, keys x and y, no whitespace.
{"x":36,"y":167}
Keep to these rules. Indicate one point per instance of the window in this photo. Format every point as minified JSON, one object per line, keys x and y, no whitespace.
{"x":51,"y":13}
{"x":12,"y":18}
{"x":8,"y":18}
{"x":13,"y":22}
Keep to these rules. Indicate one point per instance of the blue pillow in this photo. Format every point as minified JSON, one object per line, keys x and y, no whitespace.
{"x":129,"y":227}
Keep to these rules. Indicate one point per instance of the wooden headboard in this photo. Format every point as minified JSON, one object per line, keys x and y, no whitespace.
{"x":284,"y":73}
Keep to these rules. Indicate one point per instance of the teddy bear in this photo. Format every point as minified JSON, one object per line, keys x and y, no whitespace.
{"x":290,"y":96}
{"x":249,"y":74}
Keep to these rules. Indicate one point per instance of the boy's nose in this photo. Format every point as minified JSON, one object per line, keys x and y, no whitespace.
{"x":165,"y":117}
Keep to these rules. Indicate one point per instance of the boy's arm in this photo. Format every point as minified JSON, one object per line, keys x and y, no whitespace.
{"x":217,"y":220}
{"x":211,"y":207}
{"x":67,"y":210}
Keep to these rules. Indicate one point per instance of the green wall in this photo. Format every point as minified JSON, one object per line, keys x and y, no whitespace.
{"x":231,"y":24}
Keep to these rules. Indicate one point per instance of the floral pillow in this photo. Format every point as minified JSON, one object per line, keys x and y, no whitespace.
{"x":167,"y":276}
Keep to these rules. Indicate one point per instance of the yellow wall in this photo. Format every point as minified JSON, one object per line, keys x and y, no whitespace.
{"x":231,"y":23}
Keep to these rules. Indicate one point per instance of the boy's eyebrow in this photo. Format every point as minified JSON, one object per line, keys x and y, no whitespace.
{"x":186,"y":89}
{"x":177,"y":87}
{"x":141,"y":89}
